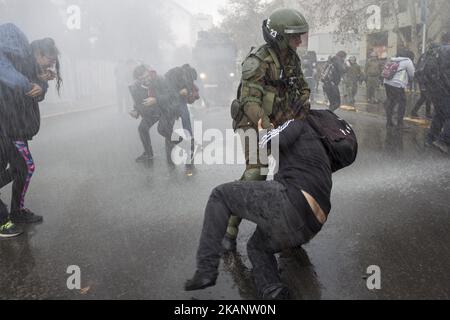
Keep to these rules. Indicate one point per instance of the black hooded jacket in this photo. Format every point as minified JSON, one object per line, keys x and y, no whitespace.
{"x":19,"y":114}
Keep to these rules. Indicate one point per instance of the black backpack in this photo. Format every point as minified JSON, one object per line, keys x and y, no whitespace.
{"x":337,"y":136}
{"x":328,"y":72}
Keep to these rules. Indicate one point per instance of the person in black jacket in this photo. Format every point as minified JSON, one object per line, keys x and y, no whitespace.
{"x":331,"y":78}
{"x":25,"y":70}
{"x":155,"y":102}
{"x":288,"y":211}
{"x":182,"y":82}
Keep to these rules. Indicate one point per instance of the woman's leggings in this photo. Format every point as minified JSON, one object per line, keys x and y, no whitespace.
{"x":21,"y":169}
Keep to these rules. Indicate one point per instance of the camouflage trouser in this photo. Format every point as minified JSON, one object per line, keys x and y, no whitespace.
{"x":252,"y":173}
{"x":351,"y":90}
{"x":372,"y":85}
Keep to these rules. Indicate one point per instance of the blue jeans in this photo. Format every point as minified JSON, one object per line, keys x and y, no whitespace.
{"x":440,"y":126}
{"x":186,"y":118}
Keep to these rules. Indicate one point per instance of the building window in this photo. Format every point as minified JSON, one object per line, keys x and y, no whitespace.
{"x":402,"y":6}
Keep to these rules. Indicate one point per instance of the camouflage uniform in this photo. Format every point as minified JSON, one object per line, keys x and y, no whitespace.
{"x":373,"y":73}
{"x":269,"y":87}
{"x":352,"y":77}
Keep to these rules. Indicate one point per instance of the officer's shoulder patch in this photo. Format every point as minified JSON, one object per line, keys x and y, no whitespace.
{"x":250,"y":67}
{"x":263,"y":53}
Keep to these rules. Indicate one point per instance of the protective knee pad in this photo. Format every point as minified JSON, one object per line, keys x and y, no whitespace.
{"x":253,"y":174}
{"x":233,"y":226}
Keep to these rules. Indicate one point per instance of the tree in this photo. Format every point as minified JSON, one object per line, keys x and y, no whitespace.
{"x":243,"y":21}
{"x":243,"y":18}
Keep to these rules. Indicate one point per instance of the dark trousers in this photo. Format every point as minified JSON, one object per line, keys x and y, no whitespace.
{"x":440,"y":125}
{"x":21,"y":168}
{"x":424,"y":99}
{"x":395,"y":96}
{"x":351,"y":89}
{"x":279,"y":226}
{"x":187,"y":126}
{"x":333,"y":95}
{"x":144,"y":133}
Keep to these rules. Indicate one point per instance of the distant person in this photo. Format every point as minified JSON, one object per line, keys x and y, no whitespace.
{"x":25,"y":70}
{"x":372,"y":73}
{"x":352,"y":78}
{"x":154,"y":102}
{"x":397,"y":74}
{"x":425,"y":97}
{"x":309,"y":65}
{"x":331,"y":77}
{"x":181,"y":80}
{"x":437,"y":80}
{"x":145,"y":92}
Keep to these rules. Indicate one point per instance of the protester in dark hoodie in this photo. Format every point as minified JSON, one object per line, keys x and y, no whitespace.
{"x":25,"y":70}
{"x":331,"y":78}
{"x":288,"y":211}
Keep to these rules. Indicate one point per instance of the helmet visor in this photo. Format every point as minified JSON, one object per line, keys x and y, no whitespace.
{"x":298,"y":40}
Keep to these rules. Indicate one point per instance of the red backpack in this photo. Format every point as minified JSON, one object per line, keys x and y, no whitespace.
{"x":390,"y":70}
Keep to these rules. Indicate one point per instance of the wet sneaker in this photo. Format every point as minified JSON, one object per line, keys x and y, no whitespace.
{"x":144,"y":158}
{"x":442,"y":146}
{"x":200,"y":281}
{"x":276,"y":292}
{"x":10,"y":230}
{"x":189,"y":170}
{"x":25,"y":216}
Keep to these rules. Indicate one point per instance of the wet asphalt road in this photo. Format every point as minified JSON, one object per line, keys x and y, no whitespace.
{"x":133,"y":230}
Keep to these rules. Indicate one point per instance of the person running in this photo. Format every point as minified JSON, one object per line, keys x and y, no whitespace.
{"x":25,"y":70}
{"x":396,"y":81}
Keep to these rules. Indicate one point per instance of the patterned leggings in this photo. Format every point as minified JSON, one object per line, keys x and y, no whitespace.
{"x":17,"y":155}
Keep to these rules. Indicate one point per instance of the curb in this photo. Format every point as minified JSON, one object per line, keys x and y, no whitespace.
{"x":59,"y":114}
{"x":423,"y":123}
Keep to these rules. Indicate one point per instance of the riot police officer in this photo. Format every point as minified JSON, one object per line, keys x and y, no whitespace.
{"x":272,"y":80}
{"x":352,"y":77}
{"x":373,"y":71}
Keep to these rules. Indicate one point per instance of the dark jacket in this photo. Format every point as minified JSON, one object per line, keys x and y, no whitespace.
{"x":166,"y":108}
{"x":180,"y":78}
{"x":19,"y":114}
{"x":339,"y":69}
{"x":303,"y":162}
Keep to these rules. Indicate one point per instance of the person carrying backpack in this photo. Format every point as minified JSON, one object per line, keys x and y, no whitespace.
{"x":331,"y":77}
{"x":288,"y":211}
{"x":25,"y":69}
{"x":397,"y":74}
{"x":436,"y":72}
{"x":182,"y":80}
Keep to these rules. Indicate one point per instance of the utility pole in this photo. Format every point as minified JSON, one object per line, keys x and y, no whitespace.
{"x":424,"y":19}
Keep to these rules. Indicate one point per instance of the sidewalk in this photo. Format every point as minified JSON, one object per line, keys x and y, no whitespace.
{"x":376,"y":109}
{"x":53,"y":109}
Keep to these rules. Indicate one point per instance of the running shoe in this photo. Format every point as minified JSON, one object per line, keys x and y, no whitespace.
{"x":25,"y":216}
{"x":10,"y":230}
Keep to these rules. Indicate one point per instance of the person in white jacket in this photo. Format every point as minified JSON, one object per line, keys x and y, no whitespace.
{"x":395,"y":88}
